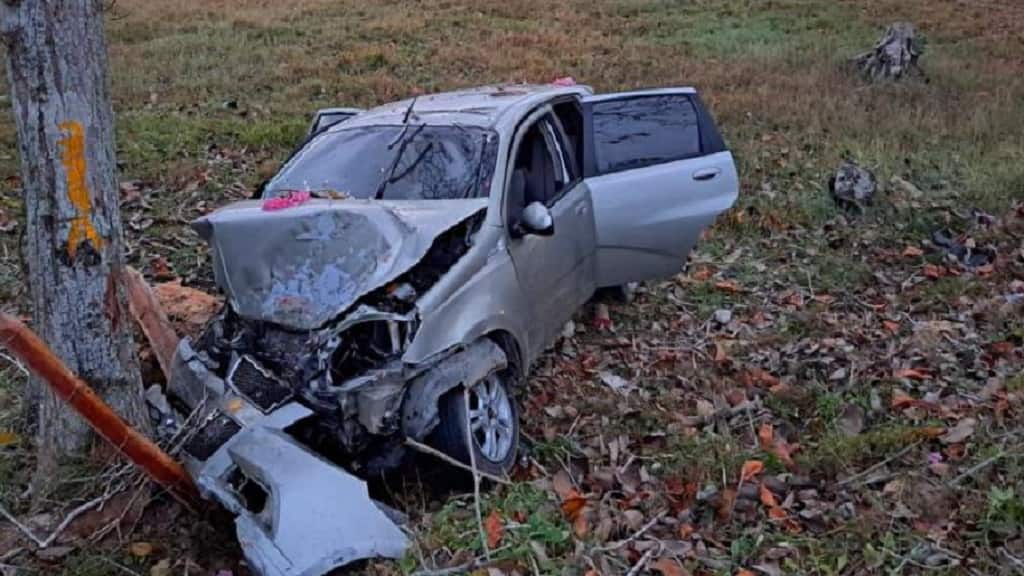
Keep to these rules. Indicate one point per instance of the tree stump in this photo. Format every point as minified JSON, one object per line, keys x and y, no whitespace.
{"x":894,"y":56}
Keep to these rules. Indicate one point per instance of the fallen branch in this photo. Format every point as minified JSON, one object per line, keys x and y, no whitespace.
{"x":11,"y":554}
{"x":978,"y":467}
{"x":871,"y":469}
{"x":643,"y":561}
{"x":637,"y":534}
{"x":746,"y":406}
{"x":476,"y":478}
{"x":421,"y":447}
{"x":44,"y":542}
{"x":464,"y":568}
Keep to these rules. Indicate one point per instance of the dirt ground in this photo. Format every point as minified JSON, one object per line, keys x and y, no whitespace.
{"x":823,"y":392}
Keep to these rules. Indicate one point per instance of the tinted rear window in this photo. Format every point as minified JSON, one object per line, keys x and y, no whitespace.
{"x":644,"y":130}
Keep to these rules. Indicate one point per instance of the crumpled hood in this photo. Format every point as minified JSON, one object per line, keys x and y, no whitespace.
{"x":301,"y":266}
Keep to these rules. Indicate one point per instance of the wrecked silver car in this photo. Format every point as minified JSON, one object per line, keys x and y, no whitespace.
{"x":409,"y":253}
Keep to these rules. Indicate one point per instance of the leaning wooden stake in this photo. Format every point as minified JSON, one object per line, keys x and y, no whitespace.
{"x":31,"y":350}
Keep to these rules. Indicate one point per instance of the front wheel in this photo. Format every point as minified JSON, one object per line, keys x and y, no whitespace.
{"x":492,"y":421}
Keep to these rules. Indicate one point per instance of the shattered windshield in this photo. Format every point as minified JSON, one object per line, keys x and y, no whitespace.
{"x":408,"y":162}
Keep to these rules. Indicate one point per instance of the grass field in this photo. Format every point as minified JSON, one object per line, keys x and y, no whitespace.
{"x":836,"y":315}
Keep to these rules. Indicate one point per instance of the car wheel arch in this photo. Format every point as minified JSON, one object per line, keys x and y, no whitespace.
{"x":467,"y":364}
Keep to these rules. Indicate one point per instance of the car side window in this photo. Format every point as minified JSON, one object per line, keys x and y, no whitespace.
{"x":644,"y":130}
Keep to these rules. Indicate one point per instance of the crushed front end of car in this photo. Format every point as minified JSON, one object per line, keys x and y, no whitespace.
{"x":298,"y":386}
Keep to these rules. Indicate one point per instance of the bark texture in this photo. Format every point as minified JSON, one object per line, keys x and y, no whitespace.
{"x":57,"y":69}
{"x":894,"y":55}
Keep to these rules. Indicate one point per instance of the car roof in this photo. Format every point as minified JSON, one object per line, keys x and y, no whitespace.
{"x":484,"y":106}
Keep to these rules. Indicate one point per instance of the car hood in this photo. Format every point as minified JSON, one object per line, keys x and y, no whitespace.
{"x":301,"y":266}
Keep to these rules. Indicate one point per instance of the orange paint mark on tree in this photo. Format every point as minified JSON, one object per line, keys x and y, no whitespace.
{"x":73,"y":159}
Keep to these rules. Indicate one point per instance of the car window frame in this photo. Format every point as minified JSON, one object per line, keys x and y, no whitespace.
{"x":542,"y":113}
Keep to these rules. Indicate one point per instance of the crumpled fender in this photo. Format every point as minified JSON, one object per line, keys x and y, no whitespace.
{"x":471,"y":364}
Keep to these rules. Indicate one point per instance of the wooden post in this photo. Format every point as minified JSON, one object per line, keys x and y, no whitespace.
{"x":57,"y":69}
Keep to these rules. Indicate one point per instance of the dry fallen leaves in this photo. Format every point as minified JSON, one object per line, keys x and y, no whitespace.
{"x":750,"y":469}
{"x":725,"y":504}
{"x":669,"y":567}
{"x":573,"y":504}
{"x":767,"y":498}
{"x":776,"y":446}
{"x":912,"y":374}
{"x":727,"y":286}
{"x":140,"y":549}
{"x":495,"y":529}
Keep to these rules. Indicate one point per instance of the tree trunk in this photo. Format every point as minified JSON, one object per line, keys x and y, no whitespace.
{"x":57,"y":69}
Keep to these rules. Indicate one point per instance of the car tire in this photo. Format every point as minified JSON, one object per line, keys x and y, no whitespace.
{"x":496,"y":421}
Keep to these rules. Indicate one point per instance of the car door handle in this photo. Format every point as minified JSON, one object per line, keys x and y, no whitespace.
{"x":581,"y":209}
{"x":706,"y":173}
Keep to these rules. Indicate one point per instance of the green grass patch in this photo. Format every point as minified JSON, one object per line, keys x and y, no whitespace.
{"x":834,"y":453}
{"x":741,"y":28}
{"x":528,"y":513}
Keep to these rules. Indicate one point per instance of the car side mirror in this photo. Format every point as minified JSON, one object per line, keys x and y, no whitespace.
{"x":537,"y":220}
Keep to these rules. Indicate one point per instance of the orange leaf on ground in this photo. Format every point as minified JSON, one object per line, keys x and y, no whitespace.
{"x":702,"y":273}
{"x":686,"y":530}
{"x":767,"y":498}
{"x":1004,"y":348}
{"x":931,"y":432}
{"x":784,"y":452}
{"x":581,"y":526}
{"x":901,"y":401}
{"x":912,"y":252}
{"x":495,"y":529}
{"x":668,"y":567}
{"x":727,"y":286}
{"x":891,"y":326}
{"x":573,"y":505}
{"x":750,"y":469}
{"x":745,"y":572}
{"x":758,"y":377}
{"x":766,"y":435}
{"x":934,"y":272}
{"x":912,"y":374}
{"x":776,"y":446}
{"x":725,"y":504}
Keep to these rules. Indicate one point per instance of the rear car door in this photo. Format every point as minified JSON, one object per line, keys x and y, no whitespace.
{"x":658,"y":173}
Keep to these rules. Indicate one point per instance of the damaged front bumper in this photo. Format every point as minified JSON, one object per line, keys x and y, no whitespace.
{"x":297,"y":513}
